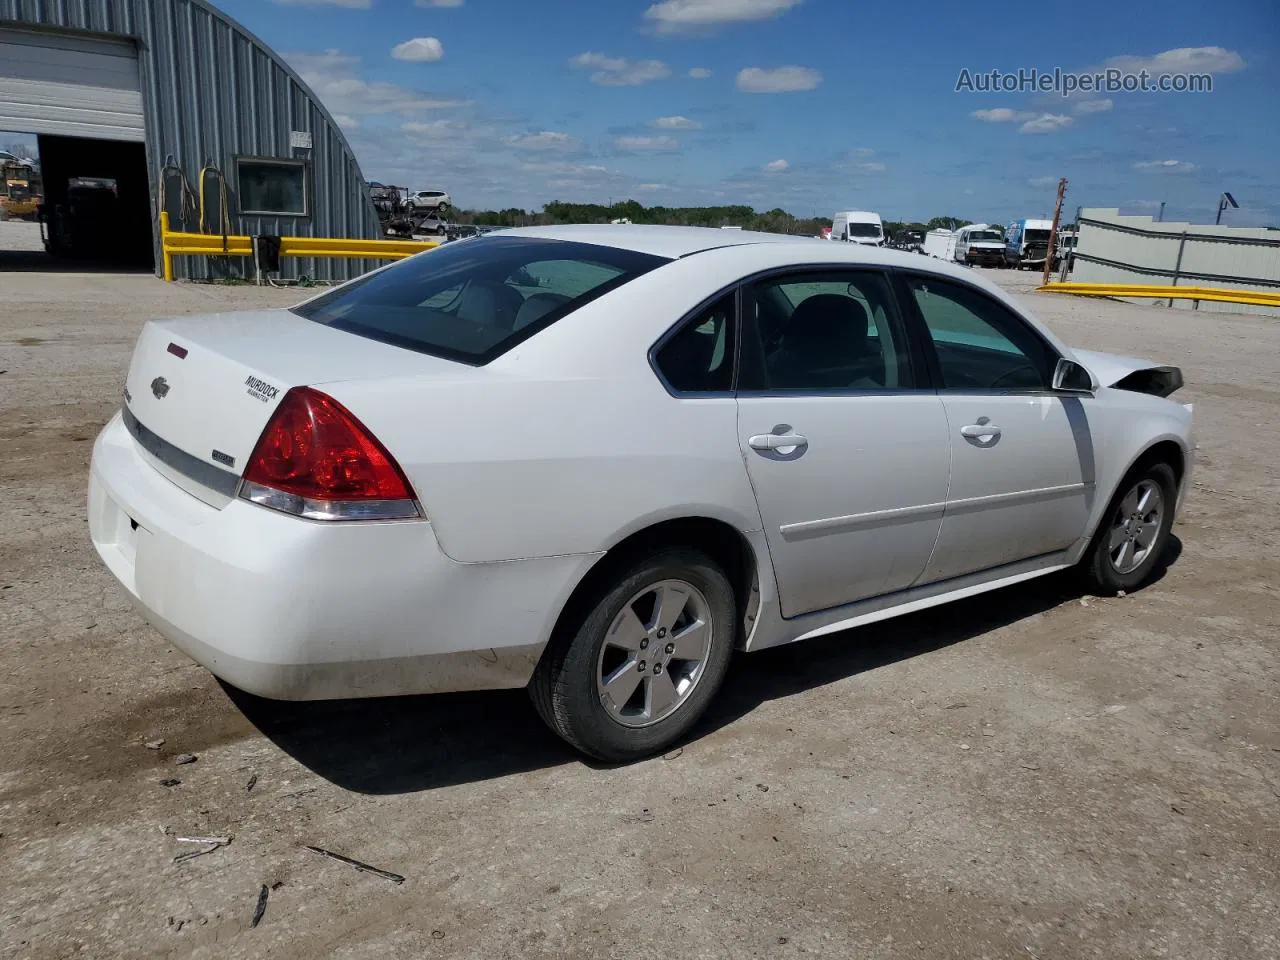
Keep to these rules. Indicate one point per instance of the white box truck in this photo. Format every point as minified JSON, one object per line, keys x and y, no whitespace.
{"x":941,"y":244}
{"x":858,"y":226}
{"x":1026,"y":243}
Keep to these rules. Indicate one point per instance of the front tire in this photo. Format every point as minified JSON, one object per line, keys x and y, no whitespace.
{"x":1134,"y":531}
{"x":641,"y":666}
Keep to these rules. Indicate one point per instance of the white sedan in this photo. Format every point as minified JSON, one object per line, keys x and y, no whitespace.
{"x":596,"y":460}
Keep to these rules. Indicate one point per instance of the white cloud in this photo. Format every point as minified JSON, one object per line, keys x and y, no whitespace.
{"x":699,"y":73}
{"x":671,"y":16}
{"x":436,"y":128}
{"x":777,"y":166}
{"x":675,"y":123}
{"x":1001,"y":115}
{"x":437,"y":3}
{"x":863,"y":152}
{"x":646,"y":144}
{"x":347,"y":123}
{"x":543,"y":140}
{"x":777,"y":80}
{"x":870,"y":167}
{"x":1093,"y":106}
{"x":1039,"y":182}
{"x":419,"y":50}
{"x":619,"y":71}
{"x":1046,"y":123}
{"x":335,"y":78}
{"x":650,"y":187}
{"x":354,"y":4}
{"x":1165,"y":166}
{"x":1180,"y":60}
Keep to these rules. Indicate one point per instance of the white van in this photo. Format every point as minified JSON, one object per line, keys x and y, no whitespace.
{"x":980,"y":245}
{"x":858,"y":226}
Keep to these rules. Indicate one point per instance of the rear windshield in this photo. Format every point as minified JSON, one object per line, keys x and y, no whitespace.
{"x":473,"y":300}
{"x":864,"y":229}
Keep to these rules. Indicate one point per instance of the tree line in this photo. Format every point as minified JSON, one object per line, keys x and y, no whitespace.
{"x":776,"y":220}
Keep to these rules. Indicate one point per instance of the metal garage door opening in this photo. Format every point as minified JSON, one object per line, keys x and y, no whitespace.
{"x":80,"y":94}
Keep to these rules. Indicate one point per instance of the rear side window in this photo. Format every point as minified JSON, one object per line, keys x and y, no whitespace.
{"x":473,"y":301}
{"x":699,"y":356}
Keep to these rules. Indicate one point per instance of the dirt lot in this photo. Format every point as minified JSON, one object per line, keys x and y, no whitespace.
{"x":1028,"y":774}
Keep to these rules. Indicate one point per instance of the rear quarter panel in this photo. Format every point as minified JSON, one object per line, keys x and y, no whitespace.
{"x":569,"y":443}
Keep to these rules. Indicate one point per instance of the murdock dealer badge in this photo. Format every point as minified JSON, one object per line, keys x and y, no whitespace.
{"x":261,"y":390}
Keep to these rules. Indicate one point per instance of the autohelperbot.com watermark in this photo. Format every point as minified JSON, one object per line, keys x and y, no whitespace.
{"x":1066,"y":82}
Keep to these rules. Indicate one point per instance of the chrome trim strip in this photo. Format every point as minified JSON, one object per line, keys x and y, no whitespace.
{"x":193,"y":468}
{"x":975,"y":504}
{"x":808,"y":529}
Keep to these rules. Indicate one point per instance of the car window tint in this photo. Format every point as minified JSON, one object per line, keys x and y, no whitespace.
{"x":473,"y":301}
{"x":699,"y":357}
{"x":980,"y":345}
{"x":831,"y":331}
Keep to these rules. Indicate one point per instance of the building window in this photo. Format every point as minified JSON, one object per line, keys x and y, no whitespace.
{"x":272,"y":187}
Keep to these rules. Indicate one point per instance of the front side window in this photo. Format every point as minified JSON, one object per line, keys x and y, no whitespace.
{"x":980,"y":344}
{"x":473,"y":301}
{"x":272,"y":187}
{"x":698,"y":358}
{"x":828,"y":331}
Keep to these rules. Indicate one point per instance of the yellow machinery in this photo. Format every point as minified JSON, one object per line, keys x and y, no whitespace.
{"x":19,"y":191}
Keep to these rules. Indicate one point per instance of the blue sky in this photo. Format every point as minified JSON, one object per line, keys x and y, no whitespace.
{"x":843,"y":103}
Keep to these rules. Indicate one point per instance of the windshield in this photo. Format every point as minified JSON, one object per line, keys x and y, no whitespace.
{"x":986,"y":235}
{"x":473,"y":301}
{"x":864,"y":229}
{"x":1036,"y":236}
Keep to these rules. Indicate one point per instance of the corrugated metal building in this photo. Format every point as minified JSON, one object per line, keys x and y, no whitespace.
{"x":115,"y":89}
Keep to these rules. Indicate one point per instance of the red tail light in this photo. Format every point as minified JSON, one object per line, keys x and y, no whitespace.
{"x":316,"y":460}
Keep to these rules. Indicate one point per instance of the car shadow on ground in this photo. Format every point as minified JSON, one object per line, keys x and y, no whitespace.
{"x":408,"y":744}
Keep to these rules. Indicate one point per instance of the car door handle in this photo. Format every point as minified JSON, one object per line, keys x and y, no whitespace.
{"x":775,"y":441}
{"x":981,"y":431}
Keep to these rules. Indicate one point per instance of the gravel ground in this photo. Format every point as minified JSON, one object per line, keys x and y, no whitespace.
{"x":1027,"y":774}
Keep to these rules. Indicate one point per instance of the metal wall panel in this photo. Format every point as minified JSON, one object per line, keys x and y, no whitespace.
{"x":1114,"y":248}
{"x":212,"y":91}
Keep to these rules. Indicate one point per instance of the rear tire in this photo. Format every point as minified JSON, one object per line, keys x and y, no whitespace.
{"x":1134,"y":531}
{"x":634,"y":674}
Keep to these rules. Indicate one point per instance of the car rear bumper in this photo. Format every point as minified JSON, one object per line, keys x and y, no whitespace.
{"x":303,"y":610}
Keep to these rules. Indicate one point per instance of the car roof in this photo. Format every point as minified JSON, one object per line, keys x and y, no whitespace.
{"x":672,"y":242}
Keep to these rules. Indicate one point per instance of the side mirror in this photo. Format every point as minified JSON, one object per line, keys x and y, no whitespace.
{"x":1071,"y":377}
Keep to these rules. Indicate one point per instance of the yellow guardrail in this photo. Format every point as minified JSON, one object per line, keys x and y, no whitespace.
{"x":176,"y":244}
{"x":1256,"y":298}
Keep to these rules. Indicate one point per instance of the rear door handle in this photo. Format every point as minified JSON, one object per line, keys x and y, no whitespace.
{"x":774,"y":441}
{"x":985,"y":432}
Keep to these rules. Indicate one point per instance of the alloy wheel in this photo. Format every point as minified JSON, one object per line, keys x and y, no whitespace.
{"x":654,"y":653}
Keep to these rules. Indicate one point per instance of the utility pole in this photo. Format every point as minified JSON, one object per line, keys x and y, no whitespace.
{"x":1053,"y":232}
{"x":1160,"y":215}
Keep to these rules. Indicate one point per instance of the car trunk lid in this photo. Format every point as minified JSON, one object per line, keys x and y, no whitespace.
{"x":201,"y":389}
